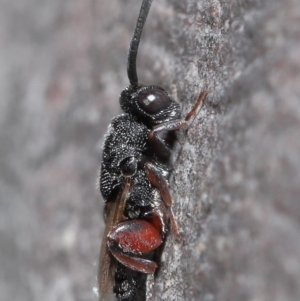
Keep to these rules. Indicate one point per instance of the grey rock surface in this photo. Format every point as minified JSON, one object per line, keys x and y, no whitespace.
{"x":236,"y":177}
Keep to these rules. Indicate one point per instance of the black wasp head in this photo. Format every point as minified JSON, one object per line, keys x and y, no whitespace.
{"x":152,"y":104}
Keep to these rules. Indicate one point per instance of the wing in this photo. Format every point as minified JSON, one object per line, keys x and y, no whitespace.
{"x":106,"y":261}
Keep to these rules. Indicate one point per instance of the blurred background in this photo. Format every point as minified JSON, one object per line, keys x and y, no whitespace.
{"x":62,"y":67}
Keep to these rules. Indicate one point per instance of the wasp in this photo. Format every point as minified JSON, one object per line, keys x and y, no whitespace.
{"x":133,"y":182}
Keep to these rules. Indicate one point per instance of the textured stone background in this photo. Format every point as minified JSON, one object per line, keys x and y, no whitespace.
{"x":236,"y":182}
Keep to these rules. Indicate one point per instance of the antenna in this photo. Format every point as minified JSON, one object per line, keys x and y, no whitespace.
{"x":134,"y":45}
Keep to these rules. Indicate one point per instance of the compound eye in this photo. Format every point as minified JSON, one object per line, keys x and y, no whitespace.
{"x":128,"y":166}
{"x":153,"y":101}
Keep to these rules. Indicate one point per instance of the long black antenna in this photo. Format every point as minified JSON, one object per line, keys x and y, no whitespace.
{"x":134,"y":45}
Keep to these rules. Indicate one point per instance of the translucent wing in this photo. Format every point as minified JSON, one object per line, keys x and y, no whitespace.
{"x":106,"y":261}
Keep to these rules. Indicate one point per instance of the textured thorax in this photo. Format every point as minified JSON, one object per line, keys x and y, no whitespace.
{"x":126,"y":138}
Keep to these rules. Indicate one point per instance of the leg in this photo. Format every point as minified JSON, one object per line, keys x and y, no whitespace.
{"x":158,"y":145}
{"x":135,"y":263}
{"x":158,"y":181}
{"x":180,"y":123}
{"x":136,"y":237}
{"x":196,"y":105}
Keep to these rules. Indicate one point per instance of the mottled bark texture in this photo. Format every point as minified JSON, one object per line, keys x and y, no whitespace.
{"x":236,"y":180}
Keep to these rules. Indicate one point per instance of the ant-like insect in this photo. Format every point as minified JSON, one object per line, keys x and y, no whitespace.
{"x":133,"y":182}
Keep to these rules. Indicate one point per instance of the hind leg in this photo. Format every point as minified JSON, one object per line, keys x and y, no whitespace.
{"x":131,"y":238}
